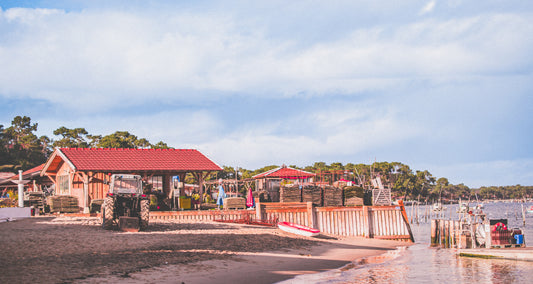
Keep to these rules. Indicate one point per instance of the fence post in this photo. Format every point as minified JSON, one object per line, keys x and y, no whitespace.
{"x":311,"y":215}
{"x":368,"y":222}
{"x":258,"y":210}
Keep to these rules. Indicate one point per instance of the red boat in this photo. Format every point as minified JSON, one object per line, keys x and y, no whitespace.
{"x":298,"y":229}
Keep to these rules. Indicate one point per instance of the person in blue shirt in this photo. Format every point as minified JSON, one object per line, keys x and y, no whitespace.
{"x":221,"y":194}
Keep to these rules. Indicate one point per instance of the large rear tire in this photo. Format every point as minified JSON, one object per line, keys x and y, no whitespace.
{"x":107,"y":213}
{"x":145,"y":214}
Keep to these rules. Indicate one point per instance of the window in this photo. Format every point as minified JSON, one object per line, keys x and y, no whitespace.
{"x":63,"y":184}
{"x":157,"y":183}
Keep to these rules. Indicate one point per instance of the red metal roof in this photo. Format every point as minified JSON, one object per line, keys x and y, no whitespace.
{"x":33,"y":170}
{"x":285,"y":172}
{"x":105,"y":159}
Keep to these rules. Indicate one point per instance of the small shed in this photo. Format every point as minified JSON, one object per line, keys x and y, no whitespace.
{"x":270,"y":181}
{"x":85,"y":172}
{"x":37,"y":183}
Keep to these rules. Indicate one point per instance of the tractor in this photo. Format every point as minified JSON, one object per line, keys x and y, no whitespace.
{"x":125,"y":204}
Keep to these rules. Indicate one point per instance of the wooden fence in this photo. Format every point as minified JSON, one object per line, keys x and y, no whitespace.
{"x":384,"y":222}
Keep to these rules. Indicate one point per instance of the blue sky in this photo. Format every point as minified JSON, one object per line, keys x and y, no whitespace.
{"x":439,"y":85}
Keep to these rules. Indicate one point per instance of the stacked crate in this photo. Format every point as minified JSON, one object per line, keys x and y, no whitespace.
{"x":500,"y":237}
{"x":332,"y":196}
{"x":311,"y":193}
{"x":353,"y":196}
{"x":63,"y":204}
{"x":290,"y":193}
{"x":234,"y":203}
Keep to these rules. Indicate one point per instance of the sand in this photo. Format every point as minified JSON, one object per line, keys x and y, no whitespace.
{"x":78,"y":250}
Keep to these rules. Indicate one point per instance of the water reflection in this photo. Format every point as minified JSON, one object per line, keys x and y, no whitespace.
{"x":420,"y":263}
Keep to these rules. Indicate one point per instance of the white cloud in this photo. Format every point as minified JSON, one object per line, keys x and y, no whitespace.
{"x":428,"y":8}
{"x":123,"y":56}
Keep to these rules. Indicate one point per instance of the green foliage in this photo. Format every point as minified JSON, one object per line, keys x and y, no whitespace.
{"x":20,"y":148}
{"x":71,"y":138}
{"x":160,"y":145}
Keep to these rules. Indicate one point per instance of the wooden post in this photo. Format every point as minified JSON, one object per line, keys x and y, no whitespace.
{"x":258,"y":210}
{"x":406,"y":220}
{"x":447,"y":233}
{"x":441,"y":233}
{"x":311,"y":215}
{"x":368,"y":222}
{"x":434,"y":225}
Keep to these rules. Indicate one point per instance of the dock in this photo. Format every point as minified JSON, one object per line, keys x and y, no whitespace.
{"x":520,"y":253}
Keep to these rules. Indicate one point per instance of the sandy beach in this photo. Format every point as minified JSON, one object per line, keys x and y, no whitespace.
{"x":78,"y":250}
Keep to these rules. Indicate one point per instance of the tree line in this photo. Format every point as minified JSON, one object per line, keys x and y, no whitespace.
{"x":21,"y":149}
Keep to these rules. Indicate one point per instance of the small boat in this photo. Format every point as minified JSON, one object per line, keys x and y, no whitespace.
{"x":530,"y":210}
{"x":298,"y":229}
{"x":437,"y":207}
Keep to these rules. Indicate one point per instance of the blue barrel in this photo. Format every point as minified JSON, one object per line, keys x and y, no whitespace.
{"x":519,"y":239}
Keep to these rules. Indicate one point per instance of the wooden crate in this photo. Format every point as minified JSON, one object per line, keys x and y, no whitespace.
{"x":234,"y":203}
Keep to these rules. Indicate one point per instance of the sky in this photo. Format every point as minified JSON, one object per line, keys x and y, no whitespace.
{"x":443,"y":86}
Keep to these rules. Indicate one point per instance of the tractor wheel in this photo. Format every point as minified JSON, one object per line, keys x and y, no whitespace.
{"x":145,"y":214}
{"x":107,"y":213}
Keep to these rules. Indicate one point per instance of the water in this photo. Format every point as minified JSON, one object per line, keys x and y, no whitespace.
{"x":420,"y":263}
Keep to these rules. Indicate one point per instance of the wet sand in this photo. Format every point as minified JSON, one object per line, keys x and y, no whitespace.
{"x":78,"y":250}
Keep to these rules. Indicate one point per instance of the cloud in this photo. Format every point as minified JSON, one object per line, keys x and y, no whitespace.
{"x":120,"y":57}
{"x":428,"y":8}
{"x":273,"y":83}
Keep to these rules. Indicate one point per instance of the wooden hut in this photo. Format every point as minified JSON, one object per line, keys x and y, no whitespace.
{"x":270,"y":181}
{"x":85,"y":172}
{"x":37,"y":183}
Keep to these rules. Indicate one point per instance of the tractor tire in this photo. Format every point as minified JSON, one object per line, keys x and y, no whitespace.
{"x":145,"y":214}
{"x":107,"y":213}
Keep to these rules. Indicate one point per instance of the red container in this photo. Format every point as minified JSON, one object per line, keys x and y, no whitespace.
{"x":501,"y":237}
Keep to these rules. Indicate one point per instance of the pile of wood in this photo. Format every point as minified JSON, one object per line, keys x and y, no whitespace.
{"x":63,"y":204}
{"x":35,"y":199}
{"x":353,"y":196}
{"x":332,"y":196}
{"x":290,"y":193}
{"x":234,"y":203}
{"x":311,"y":193}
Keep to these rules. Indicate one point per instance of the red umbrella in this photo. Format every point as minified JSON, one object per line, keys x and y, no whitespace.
{"x":250,"y":202}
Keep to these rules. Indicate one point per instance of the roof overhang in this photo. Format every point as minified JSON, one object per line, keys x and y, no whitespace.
{"x":54,"y":159}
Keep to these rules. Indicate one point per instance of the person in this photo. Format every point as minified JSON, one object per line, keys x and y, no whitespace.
{"x":195,"y":199}
{"x":221,"y":194}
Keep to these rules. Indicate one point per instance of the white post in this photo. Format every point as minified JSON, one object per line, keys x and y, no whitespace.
{"x":21,"y":190}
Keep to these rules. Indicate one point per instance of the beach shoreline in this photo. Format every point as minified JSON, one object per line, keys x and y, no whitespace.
{"x":77,"y":250}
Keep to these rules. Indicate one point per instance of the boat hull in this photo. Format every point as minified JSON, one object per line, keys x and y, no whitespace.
{"x":298,"y":229}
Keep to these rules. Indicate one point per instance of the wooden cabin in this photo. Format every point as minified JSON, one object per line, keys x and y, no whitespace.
{"x":86,"y":172}
{"x":270,"y":181}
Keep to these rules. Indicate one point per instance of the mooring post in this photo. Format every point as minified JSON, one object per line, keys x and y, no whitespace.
{"x":433,"y":232}
{"x":441,"y":232}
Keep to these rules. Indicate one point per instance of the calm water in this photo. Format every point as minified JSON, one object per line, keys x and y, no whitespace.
{"x":420,"y":263}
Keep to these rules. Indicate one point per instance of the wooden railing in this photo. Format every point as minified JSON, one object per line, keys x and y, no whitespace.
{"x":384,"y":222}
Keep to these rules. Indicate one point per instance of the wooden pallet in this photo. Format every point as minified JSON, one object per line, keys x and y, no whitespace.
{"x":506,"y":246}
